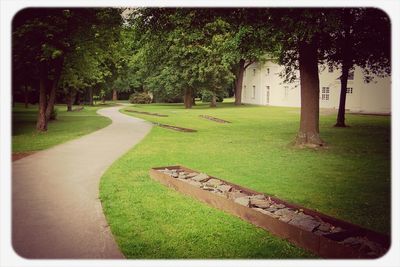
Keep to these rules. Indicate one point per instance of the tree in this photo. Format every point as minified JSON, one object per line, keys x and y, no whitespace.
{"x":362,"y":38}
{"x":299,"y":33}
{"x":184,"y":48}
{"x":53,"y":36}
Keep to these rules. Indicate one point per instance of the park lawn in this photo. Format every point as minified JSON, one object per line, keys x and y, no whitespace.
{"x":350,"y":179}
{"x":69,"y":125}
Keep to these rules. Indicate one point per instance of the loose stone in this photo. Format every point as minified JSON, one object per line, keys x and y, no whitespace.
{"x":266,"y":212}
{"x":261,"y":203}
{"x":243,"y":201}
{"x":192,"y":174}
{"x":201,"y":177}
{"x":305,"y":223}
{"x":261,"y":197}
{"x":325,"y":227}
{"x":280,"y":206}
{"x":214,"y":182}
{"x":224,"y":188}
{"x":236,"y":194}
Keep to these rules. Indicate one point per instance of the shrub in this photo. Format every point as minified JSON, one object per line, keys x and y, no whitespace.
{"x":139,"y":98}
{"x":206,"y":96}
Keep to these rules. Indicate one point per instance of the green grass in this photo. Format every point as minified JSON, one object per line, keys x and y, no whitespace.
{"x":69,"y":125}
{"x":350,"y":179}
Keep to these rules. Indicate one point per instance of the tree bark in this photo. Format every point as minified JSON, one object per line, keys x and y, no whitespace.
{"x":41,"y":124}
{"x":346,"y":66}
{"x":91,"y":96}
{"x":340,"y":120}
{"x":239,"y":82}
{"x":51,"y":100}
{"x":308,"y":134}
{"x":188,"y":99}
{"x":70,"y":99}
{"x":26,"y":96}
{"x":213,"y":103}
{"x":78,"y":98}
{"x":115,"y":95}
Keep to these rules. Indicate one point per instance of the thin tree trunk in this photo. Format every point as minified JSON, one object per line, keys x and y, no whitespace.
{"x":70,"y":99}
{"x":91,"y":96}
{"x":213,"y":103}
{"x":115,"y":95}
{"x":309,"y":81}
{"x":239,"y":82}
{"x":346,"y":66}
{"x":26,"y":96}
{"x":340,"y":120}
{"x":54,"y":86}
{"x":188,"y":98}
{"x":41,"y":124}
{"x":51,"y":101}
{"x":78,"y":98}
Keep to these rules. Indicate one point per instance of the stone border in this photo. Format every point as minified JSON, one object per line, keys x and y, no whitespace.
{"x":146,"y":113}
{"x":175,"y":128}
{"x":321,"y":234}
{"x":207,"y":117}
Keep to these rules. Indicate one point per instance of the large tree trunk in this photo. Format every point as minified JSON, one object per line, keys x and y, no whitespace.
{"x":41,"y":124}
{"x":239,"y":82}
{"x":26,"y":96}
{"x":346,"y":66}
{"x":188,"y":99}
{"x":213,"y":103}
{"x":115,"y":95}
{"x":308,"y":134}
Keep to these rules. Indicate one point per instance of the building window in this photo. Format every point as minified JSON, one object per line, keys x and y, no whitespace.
{"x":267,"y":95}
{"x":253,"y":95}
{"x":254,"y":72}
{"x":286,"y":88}
{"x":244,"y":91}
{"x":267,"y":71}
{"x":349,"y":90}
{"x":325,"y":93}
{"x":330,"y":69}
{"x":351,"y":75}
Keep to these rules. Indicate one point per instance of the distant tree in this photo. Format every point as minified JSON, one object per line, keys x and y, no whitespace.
{"x":362,"y":38}
{"x":185,"y":49}
{"x":53,"y":34}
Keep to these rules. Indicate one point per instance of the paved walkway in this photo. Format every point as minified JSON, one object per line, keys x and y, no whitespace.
{"x":56,"y":212}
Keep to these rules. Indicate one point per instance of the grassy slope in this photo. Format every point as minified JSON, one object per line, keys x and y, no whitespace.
{"x":349,"y":180}
{"x":69,"y":125}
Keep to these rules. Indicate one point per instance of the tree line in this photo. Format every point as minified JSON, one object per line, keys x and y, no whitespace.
{"x":183,"y":52}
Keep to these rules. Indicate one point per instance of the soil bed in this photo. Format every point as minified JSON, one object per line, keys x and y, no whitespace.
{"x":175,"y":128}
{"x":214,"y":119}
{"x":146,"y":113}
{"x":323,"y":235}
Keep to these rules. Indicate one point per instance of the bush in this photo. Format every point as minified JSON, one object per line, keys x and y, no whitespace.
{"x":139,"y":98}
{"x":206,"y":96}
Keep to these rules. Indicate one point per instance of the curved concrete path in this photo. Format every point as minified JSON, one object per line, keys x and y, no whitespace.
{"x":56,"y":211}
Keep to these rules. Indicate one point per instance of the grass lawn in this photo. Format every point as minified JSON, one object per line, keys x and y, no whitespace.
{"x":69,"y":125}
{"x":350,"y":179}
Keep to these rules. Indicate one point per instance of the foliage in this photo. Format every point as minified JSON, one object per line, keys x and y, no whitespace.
{"x":140,"y":98}
{"x":206,"y":96}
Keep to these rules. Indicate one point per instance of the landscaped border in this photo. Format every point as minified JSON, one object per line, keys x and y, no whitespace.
{"x":327,"y":246}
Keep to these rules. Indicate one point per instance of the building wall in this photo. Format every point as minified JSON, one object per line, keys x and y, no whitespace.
{"x":363,"y":97}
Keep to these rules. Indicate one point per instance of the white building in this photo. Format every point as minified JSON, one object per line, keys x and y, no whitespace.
{"x":262,"y":85}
